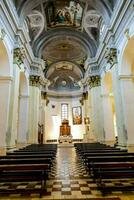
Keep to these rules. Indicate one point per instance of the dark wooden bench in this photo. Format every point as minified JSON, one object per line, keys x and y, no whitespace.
{"x":21,"y":156}
{"x":90,"y":159}
{"x":112,"y":170}
{"x":26,"y":173}
{"x":113,"y":153}
{"x":29,"y":152}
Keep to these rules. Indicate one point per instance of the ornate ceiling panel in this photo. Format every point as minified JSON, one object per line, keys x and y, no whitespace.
{"x":64,"y":48}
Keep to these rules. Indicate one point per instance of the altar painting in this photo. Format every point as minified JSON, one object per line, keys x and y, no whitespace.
{"x":77,"y":115}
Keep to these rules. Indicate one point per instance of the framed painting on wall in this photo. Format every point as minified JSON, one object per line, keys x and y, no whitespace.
{"x":77,"y":115}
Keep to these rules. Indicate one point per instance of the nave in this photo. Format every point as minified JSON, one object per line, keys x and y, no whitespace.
{"x":68,"y":179}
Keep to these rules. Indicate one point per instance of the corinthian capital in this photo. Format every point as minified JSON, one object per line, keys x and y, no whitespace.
{"x":19,"y":55}
{"x":111,"y":56}
{"x":34,"y":80}
{"x":94,"y":81}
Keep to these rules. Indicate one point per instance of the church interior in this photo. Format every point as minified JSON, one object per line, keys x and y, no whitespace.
{"x":67,"y":99}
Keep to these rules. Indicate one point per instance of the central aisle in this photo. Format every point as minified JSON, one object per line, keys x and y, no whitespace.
{"x":69,"y":179}
{"x":68,"y":165}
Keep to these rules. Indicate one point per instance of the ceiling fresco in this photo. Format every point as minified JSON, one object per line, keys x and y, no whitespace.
{"x":64,"y":33}
{"x":64,"y":76}
{"x":68,"y":13}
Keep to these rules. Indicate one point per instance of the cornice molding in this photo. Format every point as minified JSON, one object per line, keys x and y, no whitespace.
{"x":6,"y":78}
{"x":126,"y":77}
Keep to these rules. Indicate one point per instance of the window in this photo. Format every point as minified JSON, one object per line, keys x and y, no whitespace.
{"x":64,"y":111}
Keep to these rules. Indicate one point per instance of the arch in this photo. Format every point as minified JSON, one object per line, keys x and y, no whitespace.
{"x":127,"y":58}
{"x":82,"y":38}
{"x":4,"y":60}
{"x":126,"y":67}
{"x":5,"y":89}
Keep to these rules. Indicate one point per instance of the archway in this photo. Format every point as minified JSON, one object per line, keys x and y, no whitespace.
{"x":127,"y":89}
{"x":110,"y":129}
{"x":23,"y":110}
{"x":5,"y":87}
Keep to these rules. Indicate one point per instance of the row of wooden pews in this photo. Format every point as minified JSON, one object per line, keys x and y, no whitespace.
{"x":32,"y":163}
{"x":107,"y":163}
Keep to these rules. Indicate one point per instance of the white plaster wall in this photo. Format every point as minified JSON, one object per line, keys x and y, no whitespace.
{"x":53,"y":119}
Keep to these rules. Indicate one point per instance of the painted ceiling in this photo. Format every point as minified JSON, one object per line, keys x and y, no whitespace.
{"x":64,"y":34}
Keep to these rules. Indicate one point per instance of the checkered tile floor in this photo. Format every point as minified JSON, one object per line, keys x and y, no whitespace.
{"x":68,"y":180}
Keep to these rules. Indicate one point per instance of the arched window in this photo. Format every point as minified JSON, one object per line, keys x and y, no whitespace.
{"x":64,"y":111}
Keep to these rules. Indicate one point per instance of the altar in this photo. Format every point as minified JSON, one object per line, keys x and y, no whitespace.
{"x":65,"y":132}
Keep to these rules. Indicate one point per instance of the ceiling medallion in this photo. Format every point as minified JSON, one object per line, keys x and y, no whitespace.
{"x":64,"y":83}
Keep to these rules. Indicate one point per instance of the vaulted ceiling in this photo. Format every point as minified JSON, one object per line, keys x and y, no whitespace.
{"x":64,"y":33}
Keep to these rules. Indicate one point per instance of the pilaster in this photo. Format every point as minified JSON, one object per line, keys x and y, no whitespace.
{"x":96,"y":107}
{"x":33,"y":109}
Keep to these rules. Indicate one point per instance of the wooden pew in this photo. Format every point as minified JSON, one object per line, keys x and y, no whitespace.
{"x":24,"y":172}
{"x":28,"y":152}
{"x":101,"y":154}
{"x":26,"y":161}
{"x":28,"y":156}
{"x":112,"y":170}
{"x":90,"y":159}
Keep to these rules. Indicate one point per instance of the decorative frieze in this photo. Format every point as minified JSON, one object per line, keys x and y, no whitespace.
{"x":2,"y":34}
{"x":94,"y":81}
{"x":34,"y":81}
{"x":111,"y":56}
{"x":19,"y":55}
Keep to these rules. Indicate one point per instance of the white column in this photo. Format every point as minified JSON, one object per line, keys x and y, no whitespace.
{"x":13,"y":109}
{"x":108,"y":118}
{"x":120,"y":121}
{"x":33,"y":114}
{"x":5,"y":87}
{"x":90,"y":134}
{"x":97,"y":122}
{"x":107,"y":114}
{"x":23,"y":119}
{"x":127,"y":90}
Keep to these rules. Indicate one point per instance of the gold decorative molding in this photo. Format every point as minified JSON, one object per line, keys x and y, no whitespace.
{"x":18,"y":56}
{"x":2,"y":34}
{"x":111,"y":56}
{"x":94,"y":81}
{"x":34,"y":80}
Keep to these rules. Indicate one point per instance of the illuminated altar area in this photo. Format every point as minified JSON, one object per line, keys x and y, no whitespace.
{"x":65,"y":132}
